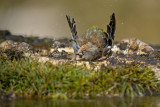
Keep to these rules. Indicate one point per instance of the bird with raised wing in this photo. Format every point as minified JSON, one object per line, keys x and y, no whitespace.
{"x":95,"y":43}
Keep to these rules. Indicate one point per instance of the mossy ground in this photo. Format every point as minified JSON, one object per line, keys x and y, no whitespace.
{"x":29,"y":78}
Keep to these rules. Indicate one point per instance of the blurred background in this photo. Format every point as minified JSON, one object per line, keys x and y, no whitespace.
{"x":46,"y":18}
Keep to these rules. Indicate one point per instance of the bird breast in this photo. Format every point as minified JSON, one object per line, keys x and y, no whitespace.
{"x":94,"y":38}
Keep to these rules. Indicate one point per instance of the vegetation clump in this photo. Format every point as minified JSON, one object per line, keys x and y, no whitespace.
{"x":29,"y":78}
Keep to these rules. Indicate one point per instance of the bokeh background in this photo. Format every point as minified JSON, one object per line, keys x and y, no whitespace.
{"x":46,"y":18}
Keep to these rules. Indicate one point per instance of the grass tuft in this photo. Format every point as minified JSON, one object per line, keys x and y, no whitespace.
{"x":29,"y":78}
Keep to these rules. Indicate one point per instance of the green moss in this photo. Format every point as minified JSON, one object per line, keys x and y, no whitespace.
{"x":28,"y":78}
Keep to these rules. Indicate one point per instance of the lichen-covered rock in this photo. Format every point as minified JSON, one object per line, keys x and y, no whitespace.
{"x":62,"y":54}
{"x":8,"y":44}
{"x":44,"y":52}
{"x":30,"y":39}
{"x":17,"y":50}
{"x":134,"y":45}
{"x":5,"y":33}
{"x":145,"y":49}
{"x":25,"y":47}
{"x":57,"y":44}
{"x":11,"y":45}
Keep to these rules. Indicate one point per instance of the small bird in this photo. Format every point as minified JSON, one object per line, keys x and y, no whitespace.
{"x":95,"y":43}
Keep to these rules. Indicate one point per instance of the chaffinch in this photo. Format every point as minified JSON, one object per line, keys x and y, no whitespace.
{"x":95,"y":43}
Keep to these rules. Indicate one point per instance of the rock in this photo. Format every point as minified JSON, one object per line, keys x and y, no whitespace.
{"x":17,"y":38}
{"x":44,"y":52}
{"x":35,"y":41}
{"x":24,"y":47}
{"x":124,"y":44}
{"x":115,"y":49}
{"x":59,"y":54}
{"x":7,"y":96}
{"x":58,"y":44}
{"x":5,"y":32}
{"x":8,"y":44}
{"x":134,"y":45}
{"x":11,"y":45}
{"x":145,"y":49}
{"x":11,"y":49}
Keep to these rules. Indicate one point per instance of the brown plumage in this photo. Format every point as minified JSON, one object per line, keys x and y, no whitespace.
{"x":94,"y":43}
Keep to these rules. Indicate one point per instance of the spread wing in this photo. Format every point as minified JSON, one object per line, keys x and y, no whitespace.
{"x":72,"y":26}
{"x":109,"y":35}
{"x":111,"y":27}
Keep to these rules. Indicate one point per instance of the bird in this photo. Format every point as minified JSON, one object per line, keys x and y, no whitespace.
{"x":95,"y":43}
